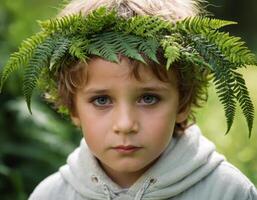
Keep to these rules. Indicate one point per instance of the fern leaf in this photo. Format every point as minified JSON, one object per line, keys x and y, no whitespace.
{"x":101,"y":47}
{"x":72,"y":24}
{"x":126,"y":44}
{"x":190,"y":56}
{"x":78,"y":48}
{"x":200,"y":24}
{"x":61,"y":48}
{"x":149,"y":48}
{"x":226,"y":95}
{"x":98,"y":20}
{"x":108,"y":45}
{"x":143,"y":26}
{"x":172,"y":54}
{"x":32,"y":72}
{"x":171,"y":50}
{"x":20,"y":58}
{"x":132,"y":46}
{"x":242,"y":95}
{"x":223,"y":77}
{"x":232,"y":47}
{"x":63,"y":24}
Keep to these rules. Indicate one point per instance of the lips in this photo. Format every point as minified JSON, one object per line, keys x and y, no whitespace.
{"x":128,"y":147}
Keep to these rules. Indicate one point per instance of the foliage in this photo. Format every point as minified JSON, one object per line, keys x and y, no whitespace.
{"x":105,"y":34}
{"x":43,"y":143}
{"x":32,"y":147}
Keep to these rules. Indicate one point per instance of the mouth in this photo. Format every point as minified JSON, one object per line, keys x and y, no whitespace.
{"x":126,"y":149}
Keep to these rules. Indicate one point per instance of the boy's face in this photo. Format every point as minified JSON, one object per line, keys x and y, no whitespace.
{"x":115,"y":109}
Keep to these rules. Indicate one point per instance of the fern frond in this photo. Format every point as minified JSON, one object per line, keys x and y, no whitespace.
{"x":149,"y":48}
{"x":232,"y":47}
{"x":72,"y":24}
{"x":190,"y":56}
{"x":20,"y":58}
{"x":143,"y":26}
{"x":172,"y":54}
{"x":32,"y":72}
{"x":108,"y":45}
{"x":223,"y":84}
{"x":200,"y":24}
{"x":230,"y":85}
{"x":98,"y":20}
{"x":78,"y":48}
{"x":223,"y":76}
{"x":61,"y":47}
{"x":171,"y":50}
{"x":242,"y":96}
{"x":126,"y":45}
{"x":61,"y":24}
{"x":131,"y":46}
{"x":101,"y":47}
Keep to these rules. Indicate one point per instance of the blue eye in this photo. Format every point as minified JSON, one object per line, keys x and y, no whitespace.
{"x":147,"y":99}
{"x":101,"y":101}
{"x":150,"y":99}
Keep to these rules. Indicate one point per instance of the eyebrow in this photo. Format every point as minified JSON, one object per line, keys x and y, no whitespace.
{"x":143,"y":89}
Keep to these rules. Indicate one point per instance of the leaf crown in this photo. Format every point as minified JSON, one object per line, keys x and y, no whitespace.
{"x":197,"y":41}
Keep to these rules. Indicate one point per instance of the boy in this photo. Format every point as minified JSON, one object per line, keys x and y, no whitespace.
{"x":132,"y":92}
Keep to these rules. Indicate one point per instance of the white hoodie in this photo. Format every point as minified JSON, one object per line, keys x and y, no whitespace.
{"x":189,"y":169}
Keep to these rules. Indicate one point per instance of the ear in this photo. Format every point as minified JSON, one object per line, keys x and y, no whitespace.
{"x":182,"y":115}
{"x":76,"y":120}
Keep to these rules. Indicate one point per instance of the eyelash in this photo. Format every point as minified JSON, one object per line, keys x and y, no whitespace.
{"x":93,"y":99}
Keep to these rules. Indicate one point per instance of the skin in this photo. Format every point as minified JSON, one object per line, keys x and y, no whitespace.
{"x":113,"y":109}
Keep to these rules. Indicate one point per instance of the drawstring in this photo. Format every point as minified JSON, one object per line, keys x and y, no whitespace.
{"x":146,"y":184}
{"x":139,"y":194}
{"x":107,"y":192}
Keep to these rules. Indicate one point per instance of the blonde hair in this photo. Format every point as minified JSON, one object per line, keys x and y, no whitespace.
{"x":172,"y":10}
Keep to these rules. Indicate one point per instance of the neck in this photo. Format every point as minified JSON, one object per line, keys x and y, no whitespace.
{"x":124,"y":179}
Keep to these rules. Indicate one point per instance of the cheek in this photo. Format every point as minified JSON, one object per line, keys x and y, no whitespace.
{"x":160,"y":126}
{"x":94,"y":129}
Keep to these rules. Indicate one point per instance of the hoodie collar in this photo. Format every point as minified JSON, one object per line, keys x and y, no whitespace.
{"x":186,"y":161}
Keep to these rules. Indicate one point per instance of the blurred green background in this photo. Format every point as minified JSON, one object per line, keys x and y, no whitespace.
{"x":32,"y":147}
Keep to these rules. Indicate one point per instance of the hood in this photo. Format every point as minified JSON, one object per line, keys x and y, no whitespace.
{"x":186,"y":161}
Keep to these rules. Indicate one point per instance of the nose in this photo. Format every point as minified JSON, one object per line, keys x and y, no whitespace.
{"x":125,"y":120}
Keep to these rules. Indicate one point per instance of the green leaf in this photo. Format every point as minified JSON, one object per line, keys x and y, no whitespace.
{"x":198,"y":24}
{"x":242,"y":96}
{"x":21,"y":58}
{"x":143,"y":26}
{"x":61,"y":48}
{"x":109,"y":45}
{"x":149,"y":47}
{"x":223,"y":75}
{"x":78,"y":48}
{"x":40,"y":59}
{"x":171,"y":50}
{"x":101,"y":47}
{"x":61,"y":24}
{"x":232,"y":47}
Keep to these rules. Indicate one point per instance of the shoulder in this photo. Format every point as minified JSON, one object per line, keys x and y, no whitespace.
{"x":229,"y":181}
{"x":227,"y":172}
{"x":54,"y":187}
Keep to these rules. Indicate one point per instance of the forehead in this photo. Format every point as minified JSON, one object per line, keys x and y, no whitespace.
{"x":100,"y":70}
